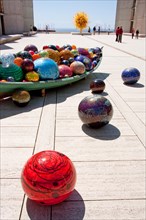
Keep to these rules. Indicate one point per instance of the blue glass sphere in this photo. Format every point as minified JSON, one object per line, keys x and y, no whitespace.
{"x":85,"y":60}
{"x":95,"y":111}
{"x":7,"y":59}
{"x":47,"y":68}
{"x":130,"y":75}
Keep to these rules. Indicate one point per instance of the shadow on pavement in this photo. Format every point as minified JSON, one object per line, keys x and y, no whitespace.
{"x":108,"y":132}
{"x":136,"y":85}
{"x":69,"y":209}
{"x":53,"y":96}
{"x":4,"y":47}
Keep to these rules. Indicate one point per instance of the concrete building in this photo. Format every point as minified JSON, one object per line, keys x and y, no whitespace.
{"x":16,"y":16}
{"x":131,"y":14}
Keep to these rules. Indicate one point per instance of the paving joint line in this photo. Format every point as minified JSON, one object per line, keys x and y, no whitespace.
{"x":117,"y":49}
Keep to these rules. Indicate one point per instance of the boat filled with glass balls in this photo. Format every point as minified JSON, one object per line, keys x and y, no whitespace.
{"x":52,"y":66}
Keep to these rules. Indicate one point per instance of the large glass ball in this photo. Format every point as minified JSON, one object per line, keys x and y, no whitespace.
{"x":97,"y":86}
{"x":21,"y":98}
{"x":85,"y":60}
{"x":77,"y":67}
{"x":7,"y":59}
{"x":11,"y":71}
{"x":48,"y":177}
{"x":130,"y":75}
{"x":64,"y":71}
{"x":47,"y":68}
{"x":31,"y":47}
{"x":95,"y":111}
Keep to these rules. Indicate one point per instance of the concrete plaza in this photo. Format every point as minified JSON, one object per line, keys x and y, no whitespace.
{"x":110,"y":162}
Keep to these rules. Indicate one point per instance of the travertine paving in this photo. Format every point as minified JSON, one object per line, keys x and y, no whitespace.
{"x":110,"y":162}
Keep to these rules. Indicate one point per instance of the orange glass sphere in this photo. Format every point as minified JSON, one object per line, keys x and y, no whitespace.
{"x":18,"y":61}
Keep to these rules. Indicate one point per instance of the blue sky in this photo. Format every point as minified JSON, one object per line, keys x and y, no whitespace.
{"x":59,"y":14}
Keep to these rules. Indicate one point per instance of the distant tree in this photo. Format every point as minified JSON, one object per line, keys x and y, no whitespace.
{"x":81,"y":20}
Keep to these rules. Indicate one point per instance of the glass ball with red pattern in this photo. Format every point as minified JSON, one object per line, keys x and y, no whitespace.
{"x":48,"y":177}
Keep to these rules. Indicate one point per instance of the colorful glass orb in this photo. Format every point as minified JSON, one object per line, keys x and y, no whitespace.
{"x":21,"y":98}
{"x":64,"y":71}
{"x":54,"y":55}
{"x":10,"y":79}
{"x":18,"y":61}
{"x":53,"y":47}
{"x":66,"y":54}
{"x":97,"y":86}
{"x":75,"y":52}
{"x":35,"y":56}
{"x":130,"y":75}
{"x":85,"y":60}
{"x":7,"y":59}
{"x":31,"y":47}
{"x":32,"y":76}
{"x":83,"y":51}
{"x":98,"y":51}
{"x":13,"y":71}
{"x":77,"y":67}
{"x":47,"y":68}
{"x":27,"y":65}
{"x":95,"y":111}
{"x":43,"y":53}
{"x":24,"y":55}
{"x":48,"y":177}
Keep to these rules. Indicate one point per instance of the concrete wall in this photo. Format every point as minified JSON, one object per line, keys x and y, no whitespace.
{"x":18,"y":16}
{"x":124,"y":15}
{"x":140,"y":16}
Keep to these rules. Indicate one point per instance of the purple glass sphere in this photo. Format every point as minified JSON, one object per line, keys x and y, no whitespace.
{"x":95,"y":111}
{"x":97,"y":86}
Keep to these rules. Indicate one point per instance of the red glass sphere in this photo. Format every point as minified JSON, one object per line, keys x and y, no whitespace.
{"x":48,"y":177}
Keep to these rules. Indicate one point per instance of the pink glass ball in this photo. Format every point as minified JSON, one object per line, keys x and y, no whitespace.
{"x":48,"y":177}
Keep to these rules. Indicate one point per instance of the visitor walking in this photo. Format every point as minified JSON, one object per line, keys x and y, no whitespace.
{"x":132,"y":32}
{"x":117,"y":34}
{"x":120,"y":34}
{"x":89,"y":30}
{"x":94,"y":30}
{"x":137,"y":33}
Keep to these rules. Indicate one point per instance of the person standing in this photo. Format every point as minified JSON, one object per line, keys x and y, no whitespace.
{"x":117,"y":34}
{"x":89,"y":30}
{"x":94,"y":30}
{"x":137,"y":33}
{"x":99,"y":30}
{"x":132,"y":32}
{"x":46,"y":29}
{"x":120,"y":34}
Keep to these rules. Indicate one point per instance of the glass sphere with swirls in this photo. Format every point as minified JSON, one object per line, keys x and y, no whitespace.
{"x":48,"y":177}
{"x":7,"y":59}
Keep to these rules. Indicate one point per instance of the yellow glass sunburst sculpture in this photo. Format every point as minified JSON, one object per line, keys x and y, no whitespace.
{"x":81,"y":20}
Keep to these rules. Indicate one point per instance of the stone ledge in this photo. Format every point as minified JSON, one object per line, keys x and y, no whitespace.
{"x":8,"y":38}
{"x":77,"y":33}
{"x":29,"y":33}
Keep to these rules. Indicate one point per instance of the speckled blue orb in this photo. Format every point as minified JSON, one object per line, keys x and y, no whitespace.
{"x":130,"y":75}
{"x":95,"y":111}
{"x":46,"y":68}
{"x":85,"y":60}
